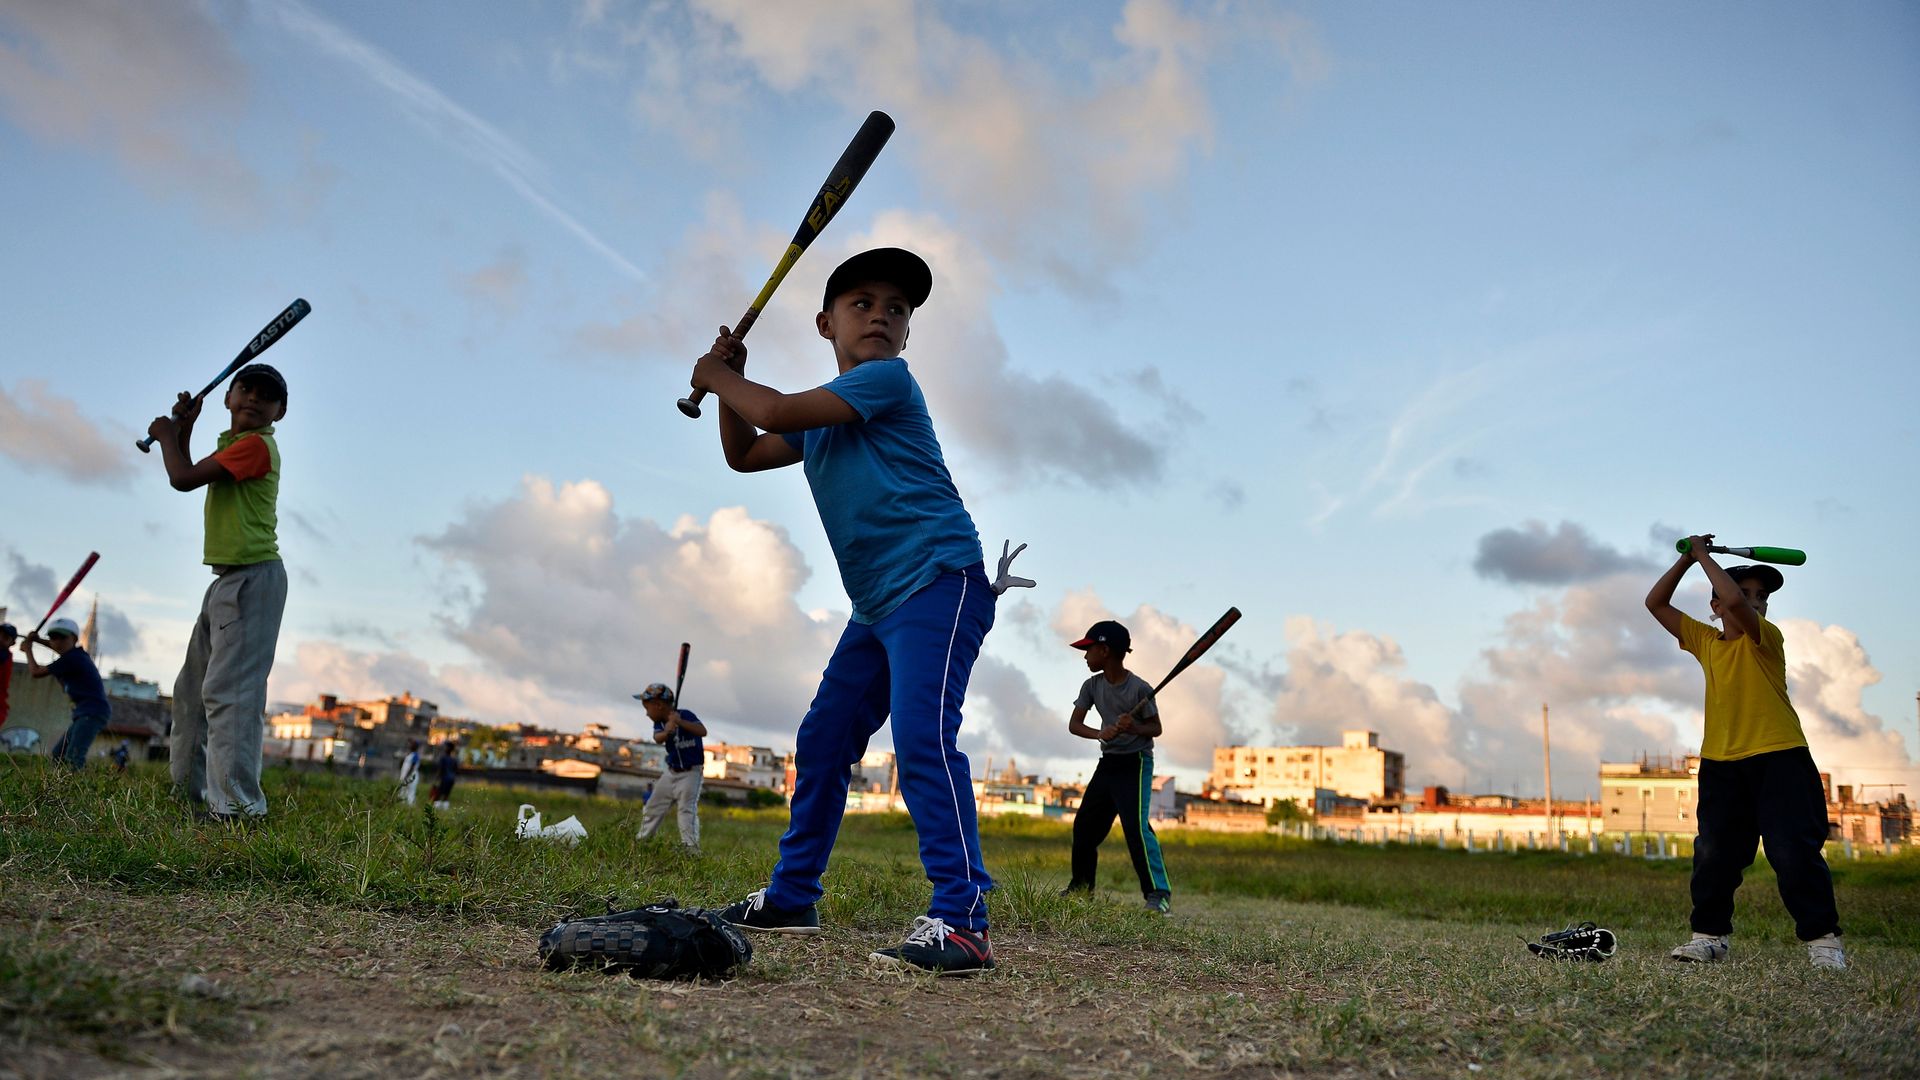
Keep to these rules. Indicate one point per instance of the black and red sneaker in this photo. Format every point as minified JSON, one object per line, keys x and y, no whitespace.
{"x":934,"y":946}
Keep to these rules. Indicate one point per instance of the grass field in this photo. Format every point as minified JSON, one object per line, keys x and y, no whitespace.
{"x":353,"y":937}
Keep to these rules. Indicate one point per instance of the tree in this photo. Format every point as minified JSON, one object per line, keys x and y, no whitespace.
{"x":1280,"y":810}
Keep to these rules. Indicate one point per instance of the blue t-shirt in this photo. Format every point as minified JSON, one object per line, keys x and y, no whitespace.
{"x":81,"y":680}
{"x":893,"y":517}
{"x":684,"y":751}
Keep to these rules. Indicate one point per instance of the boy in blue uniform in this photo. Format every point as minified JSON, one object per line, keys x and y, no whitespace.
{"x":81,"y":680}
{"x":922,"y":603}
{"x":1122,"y":784}
{"x":681,"y":732}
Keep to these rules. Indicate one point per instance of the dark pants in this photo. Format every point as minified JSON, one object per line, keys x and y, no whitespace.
{"x":1122,"y":786}
{"x":1776,"y":798}
{"x":73,"y":746}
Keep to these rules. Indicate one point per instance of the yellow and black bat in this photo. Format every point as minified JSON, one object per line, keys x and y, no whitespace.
{"x":840,"y":183}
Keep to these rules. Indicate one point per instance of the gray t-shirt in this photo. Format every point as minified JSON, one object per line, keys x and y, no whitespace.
{"x":1110,"y":701}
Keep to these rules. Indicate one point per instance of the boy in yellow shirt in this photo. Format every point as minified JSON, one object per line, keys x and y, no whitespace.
{"x":1758,"y":781}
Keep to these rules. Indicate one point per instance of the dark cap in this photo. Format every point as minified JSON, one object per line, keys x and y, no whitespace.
{"x":262,"y":373}
{"x":658,"y":691}
{"x":7,"y":629}
{"x":1769,"y":578}
{"x":895,"y":266}
{"x":1109,"y":633}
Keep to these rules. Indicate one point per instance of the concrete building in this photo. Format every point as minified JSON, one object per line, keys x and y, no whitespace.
{"x":1357,"y":769}
{"x":1652,"y":794}
{"x":753,"y":766}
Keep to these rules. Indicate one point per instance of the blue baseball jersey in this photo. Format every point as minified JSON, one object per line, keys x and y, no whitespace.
{"x":81,"y":680}
{"x":893,"y":516}
{"x":684,"y":751}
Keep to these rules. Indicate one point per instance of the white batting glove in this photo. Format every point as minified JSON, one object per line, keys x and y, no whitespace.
{"x":1005,"y":580}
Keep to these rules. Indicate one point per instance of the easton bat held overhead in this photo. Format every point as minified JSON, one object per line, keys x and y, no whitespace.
{"x":1780,"y":555}
{"x":262,"y":341}
{"x":840,"y":183}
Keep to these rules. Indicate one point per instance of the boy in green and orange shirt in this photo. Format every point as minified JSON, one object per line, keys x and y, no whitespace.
{"x":220,"y":697}
{"x":1757,"y":778}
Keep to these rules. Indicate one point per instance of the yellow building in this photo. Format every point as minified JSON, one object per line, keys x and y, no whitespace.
{"x":1650,"y":795}
{"x":1358,"y":768}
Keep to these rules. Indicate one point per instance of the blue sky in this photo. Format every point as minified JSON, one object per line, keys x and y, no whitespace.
{"x":1418,"y":332}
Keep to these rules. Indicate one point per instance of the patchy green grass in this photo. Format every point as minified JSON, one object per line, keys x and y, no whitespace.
{"x":367,"y":938}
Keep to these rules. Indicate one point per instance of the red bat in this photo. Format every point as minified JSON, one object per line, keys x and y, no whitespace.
{"x":92,"y":557}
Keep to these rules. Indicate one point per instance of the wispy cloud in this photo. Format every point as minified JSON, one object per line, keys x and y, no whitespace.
{"x":43,"y":431}
{"x":425,"y":105}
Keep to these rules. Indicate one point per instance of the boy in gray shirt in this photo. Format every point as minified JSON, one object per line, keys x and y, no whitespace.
{"x":1122,"y":784}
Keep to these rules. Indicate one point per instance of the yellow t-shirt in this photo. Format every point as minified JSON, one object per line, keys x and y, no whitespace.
{"x":1747,"y":708}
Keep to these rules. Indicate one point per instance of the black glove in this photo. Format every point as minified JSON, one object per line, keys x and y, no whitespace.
{"x":1583,"y":942}
{"x":660,"y":941}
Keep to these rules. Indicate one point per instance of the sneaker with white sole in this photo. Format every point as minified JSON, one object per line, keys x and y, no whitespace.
{"x":1827,"y":954}
{"x":1703,"y":949}
{"x":934,"y":946}
{"x":754,"y":913}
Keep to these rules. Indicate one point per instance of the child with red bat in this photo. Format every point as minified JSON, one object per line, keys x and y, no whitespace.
{"x":81,"y":680}
{"x":1122,"y":784}
{"x":220,"y":697}
{"x":922,"y":603}
{"x":1757,"y":778}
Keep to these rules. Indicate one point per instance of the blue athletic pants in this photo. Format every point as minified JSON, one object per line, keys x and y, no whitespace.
{"x":913,"y":665}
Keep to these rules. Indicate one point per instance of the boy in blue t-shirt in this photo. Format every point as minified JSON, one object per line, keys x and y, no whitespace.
{"x":681,"y":732}
{"x":81,"y":680}
{"x":922,"y":603}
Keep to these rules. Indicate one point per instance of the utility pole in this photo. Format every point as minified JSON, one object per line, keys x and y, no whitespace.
{"x":1546,"y":752}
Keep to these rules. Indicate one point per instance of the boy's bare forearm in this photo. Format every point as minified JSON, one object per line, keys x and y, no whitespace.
{"x":752,"y":402}
{"x":1661,"y":595}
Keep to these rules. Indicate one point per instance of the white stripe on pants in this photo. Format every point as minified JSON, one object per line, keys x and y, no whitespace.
{"x":220,"y":698}
{"x":680,"y":789}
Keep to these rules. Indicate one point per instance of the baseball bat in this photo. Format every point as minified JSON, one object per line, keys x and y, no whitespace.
{"x":846,"y":173}
{"x":1199,"y":649}
{"x":74,"y":583}
{"x":1783,"y":556}
{"x":261,"y":342}
{"x":680,"y":677}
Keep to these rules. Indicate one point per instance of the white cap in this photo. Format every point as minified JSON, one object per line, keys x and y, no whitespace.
{"x":64,"y":626}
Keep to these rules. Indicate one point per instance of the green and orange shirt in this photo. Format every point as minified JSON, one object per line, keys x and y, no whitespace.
{"x":242,"y":520}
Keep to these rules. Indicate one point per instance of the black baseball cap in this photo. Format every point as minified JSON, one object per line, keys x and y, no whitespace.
{"x":262,"y":373}
{"x":895,"y":266}
{"x":1769,"y":578}
{"x":1109,"y":633}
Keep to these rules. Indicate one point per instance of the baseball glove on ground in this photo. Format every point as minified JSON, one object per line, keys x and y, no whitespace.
{"x":1583,"y":942}
{"x":660,"y":941}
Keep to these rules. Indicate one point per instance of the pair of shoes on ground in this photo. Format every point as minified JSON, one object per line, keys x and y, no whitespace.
{"x":1825,"y":953}
{"x":1159,"y":901}
{"x":931,"y":945}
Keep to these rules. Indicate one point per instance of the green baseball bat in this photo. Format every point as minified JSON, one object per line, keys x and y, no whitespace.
{"x":1783,"y":556}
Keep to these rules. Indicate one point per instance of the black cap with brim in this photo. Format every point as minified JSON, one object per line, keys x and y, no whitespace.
{"x":895,"y":266}
{"x":265,"y":373}
{"x":1769,"y":578}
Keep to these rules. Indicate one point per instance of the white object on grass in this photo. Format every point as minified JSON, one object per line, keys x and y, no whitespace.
{"x":569,"y":831}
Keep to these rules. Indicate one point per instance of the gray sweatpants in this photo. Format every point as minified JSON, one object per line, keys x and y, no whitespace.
{"x":220,"y":698}
{"x":680,"y":789}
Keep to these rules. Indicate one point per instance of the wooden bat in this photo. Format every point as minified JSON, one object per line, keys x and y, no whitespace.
{"x":681,"y":676}
{"x":74,"y":583}
{"x":1198,"y":650}
{"x":846,"y":173}
{"x":261,"y":342}
{"x":1783,"y":556}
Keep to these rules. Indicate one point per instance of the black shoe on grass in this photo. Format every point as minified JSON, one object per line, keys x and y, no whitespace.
{"x":1161,"y":902}
{"x":754,"y":913}
{"x":934,"y":946}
